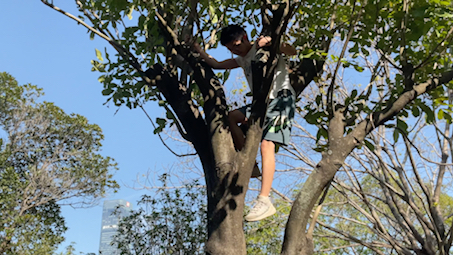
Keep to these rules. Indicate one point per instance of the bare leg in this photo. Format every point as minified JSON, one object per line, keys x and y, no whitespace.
{"x":263,"y":207}
{"x":235,"y":117}
{"x":268,"y":161}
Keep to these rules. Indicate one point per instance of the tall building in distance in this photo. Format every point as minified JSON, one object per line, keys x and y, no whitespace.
{"x":110,"y":222}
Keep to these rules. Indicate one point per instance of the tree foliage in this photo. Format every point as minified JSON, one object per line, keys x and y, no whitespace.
{"x":48,"y":158}
{"x":166,"y":223}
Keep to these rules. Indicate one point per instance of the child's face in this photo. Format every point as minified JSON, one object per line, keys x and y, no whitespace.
{"x":240,"y":46}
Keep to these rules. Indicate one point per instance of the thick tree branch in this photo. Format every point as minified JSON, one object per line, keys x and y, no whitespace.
{"x":181,"y":102}
{"x":379,"y":118}
{"x":334,"y":158}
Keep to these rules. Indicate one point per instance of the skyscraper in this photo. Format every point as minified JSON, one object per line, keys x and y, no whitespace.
{"x":110,"y":222}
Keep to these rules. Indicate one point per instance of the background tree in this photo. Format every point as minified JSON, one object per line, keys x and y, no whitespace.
{"x":413,"y":57}
{"x":397,"y":194}
{"x":166,"y":223}
{"x":48,"y":158}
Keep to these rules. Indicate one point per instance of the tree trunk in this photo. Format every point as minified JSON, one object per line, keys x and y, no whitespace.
{"x":226,"y":199}
{"x":226,"y":206}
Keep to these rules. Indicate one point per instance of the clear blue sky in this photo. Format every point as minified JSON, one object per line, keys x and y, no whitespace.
{"x":45,"y":48}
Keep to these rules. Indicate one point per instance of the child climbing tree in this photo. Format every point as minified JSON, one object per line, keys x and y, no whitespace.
{"x":153,"y":63}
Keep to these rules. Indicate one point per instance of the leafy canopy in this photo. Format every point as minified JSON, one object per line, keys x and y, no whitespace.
{"x":48,"y":158}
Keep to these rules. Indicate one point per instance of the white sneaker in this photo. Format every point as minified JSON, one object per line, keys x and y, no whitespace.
{"x":263,"y":208}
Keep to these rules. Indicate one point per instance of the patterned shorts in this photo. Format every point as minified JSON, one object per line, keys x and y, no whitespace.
{"x":279,"y":117}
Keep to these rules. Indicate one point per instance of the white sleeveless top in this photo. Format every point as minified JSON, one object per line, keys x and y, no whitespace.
{"x":281,"y":78}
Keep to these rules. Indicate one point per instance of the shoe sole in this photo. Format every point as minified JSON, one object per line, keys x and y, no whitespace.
{"x":268,"y":213}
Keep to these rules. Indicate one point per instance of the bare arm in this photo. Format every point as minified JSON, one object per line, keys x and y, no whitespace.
{"x":286,"y":49}
{"x":226,"y":64}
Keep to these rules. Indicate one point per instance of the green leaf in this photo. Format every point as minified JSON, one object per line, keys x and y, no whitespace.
{"x":402,"y":125}
{"x":322,"y":132}
{"x":396,"y":135}
{"x":226,"y":74}
{"x":212,"y":13}
{"x":161,"y":122}
{"x":448,"y":117}
{"x":318,"y":99}
{"x":429,"y":113}
{"x":99,"y":55}
{"x":319,"y":149}
{"x":415,"y":111}
{"x":445,"y":15}
{"x":253,"y":33}
{"x":311,"y":119}
{"x":358,"y":68}
{"x":369,"y":145}
{"x":365,"y":52}
{"x":170,"y":115}
{"x":353,"y":93}
{"x":107,"y":91}
{"x":440,"y":114}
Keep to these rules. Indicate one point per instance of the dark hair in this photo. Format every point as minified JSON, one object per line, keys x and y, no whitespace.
{"x":230,"y":33}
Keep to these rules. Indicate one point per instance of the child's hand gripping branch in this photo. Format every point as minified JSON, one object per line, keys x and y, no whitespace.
{"x":279,"y":114}
{"x":286,"y":49}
